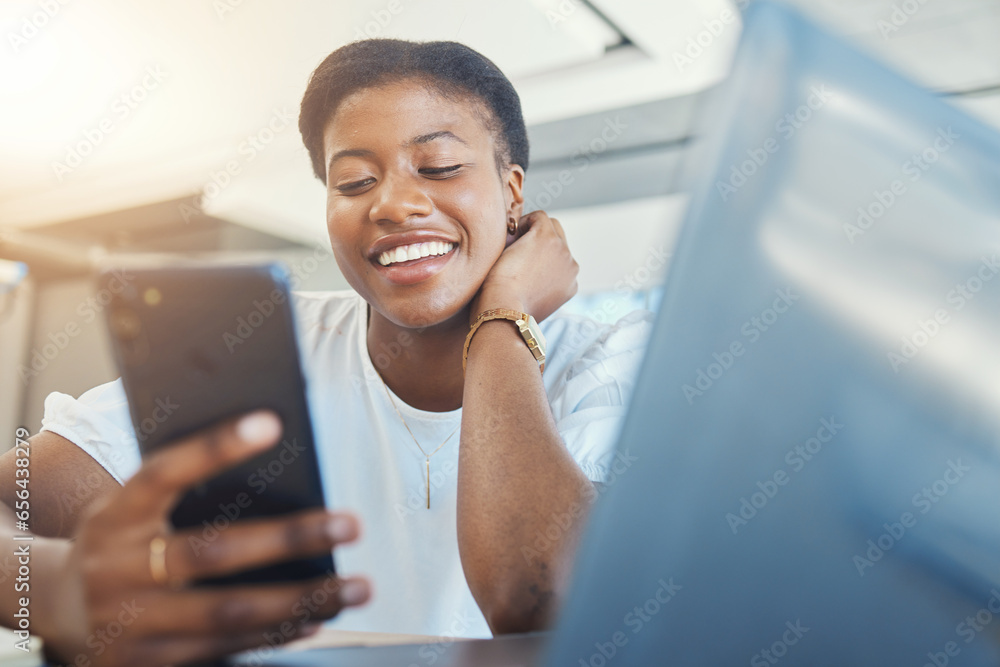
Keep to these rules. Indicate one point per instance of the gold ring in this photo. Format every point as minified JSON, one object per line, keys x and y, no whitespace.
{"x":158,"y":560}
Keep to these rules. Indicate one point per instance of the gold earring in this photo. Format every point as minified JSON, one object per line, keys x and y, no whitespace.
{"x":512,"y":226}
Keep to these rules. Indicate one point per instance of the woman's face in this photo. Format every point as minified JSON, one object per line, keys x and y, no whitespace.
{"x":416,"y":210}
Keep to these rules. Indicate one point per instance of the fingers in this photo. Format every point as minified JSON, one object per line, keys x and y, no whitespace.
{"x":165,"y":475}
{"x":556,"y":225}
{"x":219,"y":612}
{"x":201,"y":553}
{"x":195,"y":623}
{"x":196,"y":554}
{"x":529,"y":220}
{"x":537,"y":218}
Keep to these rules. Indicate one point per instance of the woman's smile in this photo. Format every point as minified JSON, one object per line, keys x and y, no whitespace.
{"x":412,"y":257}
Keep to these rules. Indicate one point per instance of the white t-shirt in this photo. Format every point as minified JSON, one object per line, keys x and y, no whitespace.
{"x":370,"y":465}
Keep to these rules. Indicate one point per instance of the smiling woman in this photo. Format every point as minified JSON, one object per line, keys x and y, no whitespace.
{"x":423,"y":152}
{"x":398,"y":131}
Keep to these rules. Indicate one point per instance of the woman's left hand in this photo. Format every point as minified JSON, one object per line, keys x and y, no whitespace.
{"x":536,"y":272}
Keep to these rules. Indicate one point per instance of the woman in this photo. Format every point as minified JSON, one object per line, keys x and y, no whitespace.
{"x":471,"y":470}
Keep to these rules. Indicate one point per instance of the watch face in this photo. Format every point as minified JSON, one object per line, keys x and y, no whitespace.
{"x":536,"y":333}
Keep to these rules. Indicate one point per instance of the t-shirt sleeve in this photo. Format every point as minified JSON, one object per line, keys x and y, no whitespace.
{"x":98,"y":423}
{"x":591,"y":395}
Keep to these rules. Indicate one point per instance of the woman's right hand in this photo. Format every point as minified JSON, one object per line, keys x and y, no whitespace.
{"x":107,"y":607}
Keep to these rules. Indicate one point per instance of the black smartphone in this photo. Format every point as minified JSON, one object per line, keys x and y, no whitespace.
{"x":198,"y":344}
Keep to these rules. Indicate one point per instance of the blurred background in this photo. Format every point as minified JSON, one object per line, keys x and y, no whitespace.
{"x":148,"y":128}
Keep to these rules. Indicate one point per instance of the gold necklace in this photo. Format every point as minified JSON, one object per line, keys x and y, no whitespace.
{"x":427,"y":457}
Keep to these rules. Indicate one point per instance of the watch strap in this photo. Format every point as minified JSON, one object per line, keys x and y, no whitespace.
{"x":494,"y":314}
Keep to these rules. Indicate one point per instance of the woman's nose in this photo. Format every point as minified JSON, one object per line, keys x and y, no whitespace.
{"x":398,"y":198}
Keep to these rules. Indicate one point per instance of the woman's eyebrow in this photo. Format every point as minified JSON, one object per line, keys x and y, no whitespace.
{"x":350,"y":152}
{"x":422,"y":139}
{"x":440,"y":134}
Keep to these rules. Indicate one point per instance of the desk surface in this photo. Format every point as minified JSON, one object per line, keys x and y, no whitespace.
{"x":329,"y":638}
{"x":325,"y":638}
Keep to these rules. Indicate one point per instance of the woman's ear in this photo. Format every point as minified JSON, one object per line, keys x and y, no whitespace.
{"x":514,"y":191}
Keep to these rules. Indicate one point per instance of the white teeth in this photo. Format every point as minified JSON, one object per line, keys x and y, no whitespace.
{"x":414,"y":251}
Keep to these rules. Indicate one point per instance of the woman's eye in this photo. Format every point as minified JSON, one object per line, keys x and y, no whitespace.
{"x":355,"y":185}
{"x":440,"y":171}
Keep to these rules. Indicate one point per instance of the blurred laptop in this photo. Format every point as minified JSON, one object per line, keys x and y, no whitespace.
{"x":818,"y":419}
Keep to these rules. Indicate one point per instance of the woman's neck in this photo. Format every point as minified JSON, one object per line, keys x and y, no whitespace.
{"x":423,"y":367}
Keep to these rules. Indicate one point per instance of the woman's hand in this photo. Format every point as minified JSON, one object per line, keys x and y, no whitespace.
{"x":536,"y":273}
{"x":107,"y":606}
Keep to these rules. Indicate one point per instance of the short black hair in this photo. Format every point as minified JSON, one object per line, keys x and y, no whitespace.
{"x":450,"y":68}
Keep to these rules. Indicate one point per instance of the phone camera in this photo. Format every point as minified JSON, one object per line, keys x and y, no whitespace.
{"x":125,"y":324}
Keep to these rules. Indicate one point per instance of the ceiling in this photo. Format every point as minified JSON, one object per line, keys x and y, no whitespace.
{"x":224,"y":73}
{"x":110,"y":105}
{"x":948,"y":45}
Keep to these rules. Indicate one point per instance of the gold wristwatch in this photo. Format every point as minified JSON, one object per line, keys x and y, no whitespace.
{"x":525,"y":324}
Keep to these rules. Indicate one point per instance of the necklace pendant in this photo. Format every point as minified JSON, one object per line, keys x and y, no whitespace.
{"x":427,"y":457}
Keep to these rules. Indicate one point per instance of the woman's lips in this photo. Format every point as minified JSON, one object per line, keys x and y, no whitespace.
{"x":411,"y":251}
{"x":414,"y":270}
